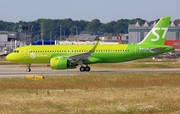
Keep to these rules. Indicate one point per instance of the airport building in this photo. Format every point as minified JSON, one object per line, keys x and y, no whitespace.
{"x":137,"y":32}
{"x":10,"y":40}
{"x":23,"y":35}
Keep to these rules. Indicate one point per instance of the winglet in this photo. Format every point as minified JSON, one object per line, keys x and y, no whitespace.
{"x":94,"y":47}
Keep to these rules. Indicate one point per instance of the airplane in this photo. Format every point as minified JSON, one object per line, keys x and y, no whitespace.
{"x":66,"y":56}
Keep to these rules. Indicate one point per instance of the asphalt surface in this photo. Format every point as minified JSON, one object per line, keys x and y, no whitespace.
{"x":19,"y":70}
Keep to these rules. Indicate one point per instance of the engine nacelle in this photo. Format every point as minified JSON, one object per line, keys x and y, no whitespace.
{"x":59,"y":63}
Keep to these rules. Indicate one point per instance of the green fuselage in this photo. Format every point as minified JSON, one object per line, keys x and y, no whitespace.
{"x":104,"y":53}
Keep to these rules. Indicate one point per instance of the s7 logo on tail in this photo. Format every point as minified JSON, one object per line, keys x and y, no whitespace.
{"x":165,"y":29}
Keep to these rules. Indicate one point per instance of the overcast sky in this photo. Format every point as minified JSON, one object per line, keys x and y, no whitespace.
{"x":104,"y":10}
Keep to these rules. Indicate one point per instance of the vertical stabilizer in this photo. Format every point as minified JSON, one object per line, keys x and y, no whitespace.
{"x":158,"y":33}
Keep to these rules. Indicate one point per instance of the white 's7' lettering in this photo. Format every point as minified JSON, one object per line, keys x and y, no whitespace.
{"x":157,"y":35}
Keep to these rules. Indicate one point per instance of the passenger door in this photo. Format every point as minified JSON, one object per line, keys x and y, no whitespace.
{"x":137,"y":50}
{"x":26,"y":51}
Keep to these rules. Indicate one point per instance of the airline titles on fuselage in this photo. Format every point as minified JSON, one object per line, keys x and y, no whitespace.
{"x":145,"y":49}
{"x":33,"y":55}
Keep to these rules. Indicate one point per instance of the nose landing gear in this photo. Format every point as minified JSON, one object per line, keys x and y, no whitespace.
{"x":29,"y":68}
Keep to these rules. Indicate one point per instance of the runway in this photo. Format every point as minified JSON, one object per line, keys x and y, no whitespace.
{"x":19,"y":70}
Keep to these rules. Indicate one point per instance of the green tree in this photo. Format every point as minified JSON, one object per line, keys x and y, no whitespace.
{"x":93,"y":26}
{"x":69,"y":26}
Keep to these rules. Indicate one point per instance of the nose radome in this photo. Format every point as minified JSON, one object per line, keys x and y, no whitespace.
{"x":9,"y":57}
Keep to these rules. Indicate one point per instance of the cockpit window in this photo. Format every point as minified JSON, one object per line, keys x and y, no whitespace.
{"x":16,"y":51}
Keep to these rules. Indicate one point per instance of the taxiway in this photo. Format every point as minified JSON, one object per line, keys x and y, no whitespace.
{"x":19,"y":70}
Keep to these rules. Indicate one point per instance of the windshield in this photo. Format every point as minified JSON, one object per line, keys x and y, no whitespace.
{"x":16,"y":51}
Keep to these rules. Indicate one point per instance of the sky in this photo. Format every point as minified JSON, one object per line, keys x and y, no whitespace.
{"x":104,"y":10}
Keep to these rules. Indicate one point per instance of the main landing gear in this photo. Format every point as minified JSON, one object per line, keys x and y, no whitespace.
{"x":82,"y":68}
{"x":29,"y":68}
{"x":87,"y":68}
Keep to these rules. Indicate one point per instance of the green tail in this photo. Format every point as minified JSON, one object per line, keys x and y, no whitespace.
{"x":158,"y":33}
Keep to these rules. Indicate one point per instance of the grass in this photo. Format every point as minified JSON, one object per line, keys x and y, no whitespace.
{"x":156,"y":60}
{"x":93,"y":93}
{"x":136,"y":65}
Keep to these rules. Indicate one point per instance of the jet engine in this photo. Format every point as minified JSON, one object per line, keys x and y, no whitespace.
{"x":59,"y":63}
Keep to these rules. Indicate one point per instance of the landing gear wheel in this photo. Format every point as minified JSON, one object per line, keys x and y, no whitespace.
{"x":28,"y":70}
{"x":87,"y":68}
{"x":82,"y":69}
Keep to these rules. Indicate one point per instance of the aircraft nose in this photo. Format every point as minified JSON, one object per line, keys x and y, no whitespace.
{"x":9,"y":57}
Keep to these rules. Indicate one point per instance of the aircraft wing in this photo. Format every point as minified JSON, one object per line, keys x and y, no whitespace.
{"x":83,"y":56}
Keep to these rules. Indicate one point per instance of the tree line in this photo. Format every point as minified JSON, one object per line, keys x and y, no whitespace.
{"x":51,"y":27}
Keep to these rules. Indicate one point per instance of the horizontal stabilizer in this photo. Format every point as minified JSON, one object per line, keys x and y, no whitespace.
{"x":154,"y":50}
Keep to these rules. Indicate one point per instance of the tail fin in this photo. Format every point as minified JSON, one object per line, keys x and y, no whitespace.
{"x":158,"y":33}
{"x":119,"y":37}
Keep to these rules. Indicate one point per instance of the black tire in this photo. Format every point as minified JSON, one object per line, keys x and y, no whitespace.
{"x":87,"y":68}
{"x":82,"y":69}
{"x":28,"y":70}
